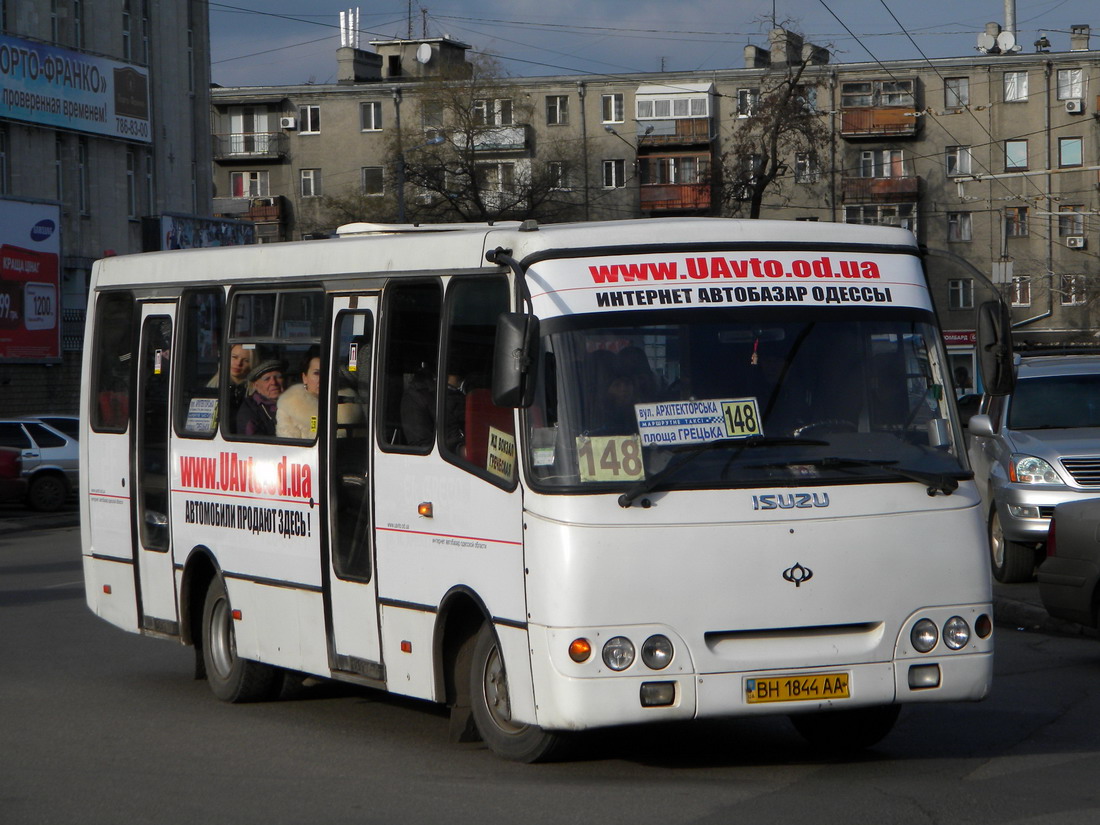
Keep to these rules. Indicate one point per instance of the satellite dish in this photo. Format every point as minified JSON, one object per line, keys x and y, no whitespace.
{"x":986,"y":42}
{"x":1007,"y":42}
{"x":423,"y":53}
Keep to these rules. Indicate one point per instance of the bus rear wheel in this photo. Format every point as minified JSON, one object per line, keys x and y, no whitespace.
{"x":492,"y":709}
{"x":231,"y":678}
{"x":844,"y":731}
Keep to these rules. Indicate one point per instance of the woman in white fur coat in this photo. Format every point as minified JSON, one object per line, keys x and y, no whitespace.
{"x":296,"y":416}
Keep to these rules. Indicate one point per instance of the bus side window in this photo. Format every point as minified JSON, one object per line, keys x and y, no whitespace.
{"x":197,"y":403}
{"x":114,"y":341}
{"x":474,"y":431}
{"x":411,"y":351}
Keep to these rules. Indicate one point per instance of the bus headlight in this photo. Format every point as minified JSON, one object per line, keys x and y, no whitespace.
{"x":618,"y":653}
{"x":924,"y":635}
{"x":956,"y":633}
{"x":657,"y":652}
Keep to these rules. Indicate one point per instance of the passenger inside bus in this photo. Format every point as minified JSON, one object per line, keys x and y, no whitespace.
{"x":297,"y":407}
{"x":257,"y":413}
{"x":240,"y":365}
{"x":418,"y":411}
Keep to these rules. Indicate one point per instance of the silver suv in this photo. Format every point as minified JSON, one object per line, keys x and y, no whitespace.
{"x":1034,"y":449}
{"x":50,"y":461}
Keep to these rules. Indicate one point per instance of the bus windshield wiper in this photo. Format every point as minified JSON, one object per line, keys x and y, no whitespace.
{"x":935,"y":482}
{"x":651,"y":483}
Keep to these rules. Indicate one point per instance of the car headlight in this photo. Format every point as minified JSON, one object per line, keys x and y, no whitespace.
{"x":924,"y":635}
{"x":1027,"y":469}
{"x":618,"y":653}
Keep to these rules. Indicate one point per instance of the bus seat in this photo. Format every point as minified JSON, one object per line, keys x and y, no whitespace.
{"x":481,"y":414}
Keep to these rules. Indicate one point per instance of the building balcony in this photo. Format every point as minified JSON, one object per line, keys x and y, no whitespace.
{"x":494,"y":138}
{"x":682,"y":132}
{"x":257,"y":210}
{"x":877,"y":123}
{"x":675,"y":197}
{"x":251,"y":146}
{"x":881,"y":190}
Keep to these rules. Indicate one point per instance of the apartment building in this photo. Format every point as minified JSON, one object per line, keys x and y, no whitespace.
{"x":993,"y":157}
{"x":104,"y":135}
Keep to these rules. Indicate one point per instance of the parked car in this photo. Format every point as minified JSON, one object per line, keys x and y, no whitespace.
{"x":1070,"y":575}
{"x":68,"y":424}
{"x":13,"y":486}
{"x":50,"y":460}
{"x":1033,"y":450}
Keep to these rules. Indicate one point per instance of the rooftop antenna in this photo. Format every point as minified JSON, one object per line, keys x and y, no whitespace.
{"x":349,"y":28}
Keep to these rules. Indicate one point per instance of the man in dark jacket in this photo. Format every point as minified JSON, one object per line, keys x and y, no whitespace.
{"x":257,"y":413}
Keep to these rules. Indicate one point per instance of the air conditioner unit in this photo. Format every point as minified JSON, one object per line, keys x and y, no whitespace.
{"x":1076,"y":241}
{"x":288,"y":123}
{"x":1075,"y":106}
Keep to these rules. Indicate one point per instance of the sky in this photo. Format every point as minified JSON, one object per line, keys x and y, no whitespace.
{"x":287,"y":42}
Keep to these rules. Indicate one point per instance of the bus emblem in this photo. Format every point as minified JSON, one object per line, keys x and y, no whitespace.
{"x":798,"y":574}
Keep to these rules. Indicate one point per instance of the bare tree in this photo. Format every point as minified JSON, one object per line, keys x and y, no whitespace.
{"x":466,"y":154}
{"x":778,"y":125}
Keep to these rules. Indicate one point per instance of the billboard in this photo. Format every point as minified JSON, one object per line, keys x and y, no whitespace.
{"x":189,"y":232}
{"x":57,"y":87}
{"x":30,"y":258}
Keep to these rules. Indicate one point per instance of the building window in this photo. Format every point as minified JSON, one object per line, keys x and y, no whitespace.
{"x":805,"y":167}
{"x":59,"y":169}
{"x":1071,"y":84}
{"x":493,"y":112}
{"x":1015,"y":154}
{"x":956,"y":92}
{"x":882,"y":163}
{"x":370,"y":116}
{"x":144,"y":32}
{"x":149,"y":178}
{"x":747,"y":100}
{"x":960,"y":293}
{"x":55,"y":21}
{"x":1021,"y":291}
{"x":1072,"y":288}
{"x":612,"y":109}
{"x":127,"y":49}
{"x":373,"y":181}
{"x":78,"y":24}
{"x":309,"y":119}
{"x":959,"y":226}
{"x":1069,"y":151}
{"x":131,"y":184}
{"x":1016,"y":222}
{"x":1015,"y":87}
{"x":311,"y":183}
{"x":865,"y":94}
{"x":248,"y":184}
{"x":556,"y":175}
{"x":1071,"y":220}
{"x":958,"y":160}
{"x":614,"y":173}
{"x":557,"y":110}
{"x":884,"y":214}
{"x":82,"y":175}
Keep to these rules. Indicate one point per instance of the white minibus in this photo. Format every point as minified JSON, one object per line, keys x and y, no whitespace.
{"x":557,"y":477}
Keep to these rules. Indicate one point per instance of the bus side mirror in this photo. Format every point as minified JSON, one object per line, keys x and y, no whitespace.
{"x":995,"y":348}
{"x":513,"y":364}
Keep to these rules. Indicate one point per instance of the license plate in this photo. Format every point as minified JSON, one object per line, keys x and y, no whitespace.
{"x":816,"y":687}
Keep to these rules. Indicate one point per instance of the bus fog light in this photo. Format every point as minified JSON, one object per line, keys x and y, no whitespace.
{"x":618,"y":653}
{"x":657,"y":694}
{"x":922,"y":677}
{"x":657,"y":652}
{"x":580,"y":650}
{"x":924,"y":635}
{"x":956,"y":633}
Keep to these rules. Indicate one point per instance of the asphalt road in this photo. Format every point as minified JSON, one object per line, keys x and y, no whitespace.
{"x":101,"y":726}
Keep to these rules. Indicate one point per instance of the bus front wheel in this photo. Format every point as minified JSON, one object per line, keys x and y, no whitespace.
{"x":231,"y":678}
{"x":492,"y":709}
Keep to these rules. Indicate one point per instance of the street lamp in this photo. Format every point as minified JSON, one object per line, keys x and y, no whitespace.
{"x":435,"y":140}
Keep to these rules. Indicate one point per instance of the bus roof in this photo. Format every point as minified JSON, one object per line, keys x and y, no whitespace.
{"x":464,"y":248}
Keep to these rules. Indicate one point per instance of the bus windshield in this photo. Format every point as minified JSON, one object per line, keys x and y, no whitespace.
{"x":740,"y":398}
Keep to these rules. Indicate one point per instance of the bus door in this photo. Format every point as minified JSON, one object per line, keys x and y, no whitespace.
{"x":351,"y":609}
{"x":152,"y":472}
